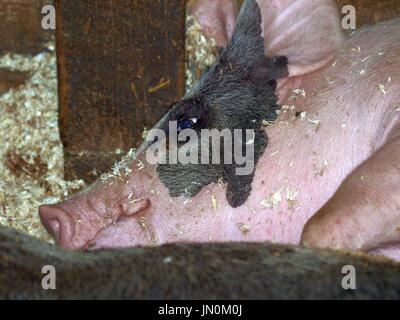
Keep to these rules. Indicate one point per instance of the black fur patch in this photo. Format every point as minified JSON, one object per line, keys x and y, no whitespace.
{"x":238,"y":92}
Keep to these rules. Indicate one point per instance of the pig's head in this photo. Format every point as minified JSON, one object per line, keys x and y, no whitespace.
{"x":140,"y":203}
{"x":235,"y":96}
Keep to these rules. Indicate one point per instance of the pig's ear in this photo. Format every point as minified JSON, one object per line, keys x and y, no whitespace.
{"x":246,"y":50}
{"x":307,"y":33}
{"x":246,"y":47}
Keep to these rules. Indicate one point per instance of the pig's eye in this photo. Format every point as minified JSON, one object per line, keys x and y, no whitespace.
{"x":186,"y":123}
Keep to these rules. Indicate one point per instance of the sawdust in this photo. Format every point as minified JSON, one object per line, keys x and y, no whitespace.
{"x":201,"y":52}
{"x":273,"y":200}
{"x":31,"y":154}
{"x":244,"y":228}
{"x":382,"y":88}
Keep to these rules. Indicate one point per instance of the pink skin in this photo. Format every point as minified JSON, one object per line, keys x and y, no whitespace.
{"x":217,"y":18}
{"x":336,"y":171}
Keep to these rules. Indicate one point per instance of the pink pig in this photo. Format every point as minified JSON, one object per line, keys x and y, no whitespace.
{"x":329,"y":177}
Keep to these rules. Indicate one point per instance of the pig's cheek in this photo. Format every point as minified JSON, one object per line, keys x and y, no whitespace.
{"x":126,"y":232}
{"x":285,"y":88}
{"x":194,"y":221}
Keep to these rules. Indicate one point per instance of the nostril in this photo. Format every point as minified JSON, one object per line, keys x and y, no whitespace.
{"x":58,"y":223}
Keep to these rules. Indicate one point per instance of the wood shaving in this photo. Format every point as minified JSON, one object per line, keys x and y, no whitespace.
{"x":366,"y":58}
{"x":303,"y":115}
{"x":139,"y":165}
{"x":162,"y":84}
{"x":382,"y":88}
{"x":320,"y":171}
{"x":273,"y":200}
{"x":221,"y":182}
{"x":244,"y":228}
{"x":145,"y":132}
{"x":315,"y":122}
{"x":31,"y":153}
{"x":121,"y":168}
{"x":214,"y":202}
{"x":291,"y":197}
{"x":134,"y":201}
{"x":300,"y":92}
{"x":266,"y":123}
{"x":153,"y":237}
{"x":329,"y":80}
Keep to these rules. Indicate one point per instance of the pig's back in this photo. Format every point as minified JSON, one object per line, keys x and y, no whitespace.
{"x":350,"y":108}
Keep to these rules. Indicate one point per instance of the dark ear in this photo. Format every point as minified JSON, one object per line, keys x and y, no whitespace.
{"x":247,"y":41}
{"x":267,"y":69}
{"x":247,"y":49}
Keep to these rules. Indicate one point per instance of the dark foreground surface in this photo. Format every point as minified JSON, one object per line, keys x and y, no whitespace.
{"x":185,"y":271}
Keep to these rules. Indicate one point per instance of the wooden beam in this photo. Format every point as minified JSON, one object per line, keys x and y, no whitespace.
{"x":121,"y":63}
{"x":20,"y":26}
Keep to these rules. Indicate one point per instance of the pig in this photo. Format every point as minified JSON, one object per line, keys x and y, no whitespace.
{"x":328,"y":170}
{"x":183,"y":271}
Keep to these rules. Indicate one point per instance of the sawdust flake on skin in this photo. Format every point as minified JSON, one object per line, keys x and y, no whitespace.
{"x":382,"y":88}
{"x":214,"y":202}
{"x":244,"y":228}
{"x":291,"y":197}
{"x":273,"y":200}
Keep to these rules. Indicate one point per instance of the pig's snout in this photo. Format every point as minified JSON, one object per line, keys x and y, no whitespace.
{"x":58,"y":223}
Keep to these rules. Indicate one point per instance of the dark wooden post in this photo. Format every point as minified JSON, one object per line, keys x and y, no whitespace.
{"x":20,"y":26}
{"x":121,"y":63}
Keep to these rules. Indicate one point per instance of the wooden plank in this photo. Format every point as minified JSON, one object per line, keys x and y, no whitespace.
{"x":20,"y":26}
{"x":121,"y":64}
